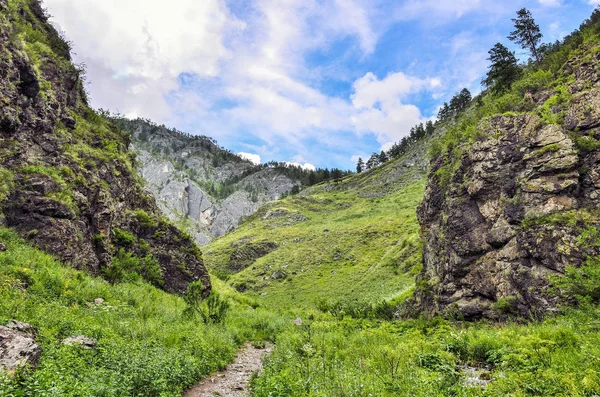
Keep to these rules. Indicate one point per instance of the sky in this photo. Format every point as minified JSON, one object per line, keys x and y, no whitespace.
{"x":312,"y":82}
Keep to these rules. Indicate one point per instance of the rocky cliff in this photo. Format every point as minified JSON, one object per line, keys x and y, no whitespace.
{"x":509,"y":213}
{"x":200,"y":186}
{"x":69,"y":183}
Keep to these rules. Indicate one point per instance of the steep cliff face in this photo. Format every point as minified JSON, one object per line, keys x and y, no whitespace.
{"x":513,"y":210}
{"x":203,"y":188}
{"x":68,"y":181}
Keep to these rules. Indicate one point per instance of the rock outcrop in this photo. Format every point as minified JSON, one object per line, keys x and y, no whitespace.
{"x":18,"y":347}
{"x":512,"y":212}
{"x":188,"y":175}
{"x":68,"y":182}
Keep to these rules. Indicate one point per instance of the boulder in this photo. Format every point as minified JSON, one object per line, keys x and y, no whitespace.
{"x":18,"y":347}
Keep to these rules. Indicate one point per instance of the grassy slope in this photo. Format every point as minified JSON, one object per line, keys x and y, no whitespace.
{"x":147,"y":346}
{"x":360,"y":242}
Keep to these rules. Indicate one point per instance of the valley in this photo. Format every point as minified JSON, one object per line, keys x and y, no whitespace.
{"x":140,"y":260}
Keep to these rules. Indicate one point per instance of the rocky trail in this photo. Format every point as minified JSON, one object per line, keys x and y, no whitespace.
{"x":234,"y":380}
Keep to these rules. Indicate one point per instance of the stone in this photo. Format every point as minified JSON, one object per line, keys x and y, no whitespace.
{"x":98,"y":301}
{"x":83,"y":342}
{"x":17,"y":348}
{"x":3,"y":247}
{"x":279,"y":275}
{"x":584,"y":111}
{"x":298,"y":321}
{"x":23,"y":327}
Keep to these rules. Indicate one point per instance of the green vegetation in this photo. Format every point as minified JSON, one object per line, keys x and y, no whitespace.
{"x":334,"y":243}
{"x":331,"y":357}
{"x":148,"y":345}
{"x":347,"y":252}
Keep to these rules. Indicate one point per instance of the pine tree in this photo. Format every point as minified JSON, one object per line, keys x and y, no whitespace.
{"x":382,"y":157}
{"x":360,"y":166}
{"x":429,"y":128}
{"x":503,"y":70}
{"x":527,"y":33}
{"x":444,"y":112}
{"x":464,"y":98}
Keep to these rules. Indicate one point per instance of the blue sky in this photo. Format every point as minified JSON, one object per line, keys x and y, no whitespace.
{"x":315,"y":82}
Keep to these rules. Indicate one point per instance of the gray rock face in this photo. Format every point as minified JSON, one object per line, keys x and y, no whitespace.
{"x":18,"y":347}
{"x":513,"y":212}
{"x":181,"y":171}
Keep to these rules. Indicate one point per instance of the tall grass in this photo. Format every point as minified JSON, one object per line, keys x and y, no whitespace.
{"x":147,"y":345}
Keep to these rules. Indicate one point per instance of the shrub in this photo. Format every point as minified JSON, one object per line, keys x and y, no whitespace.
{"x":213,"y":309}
{"x":144,"y":219}
{"x":128,"y":267}
{"x":123,"y":237}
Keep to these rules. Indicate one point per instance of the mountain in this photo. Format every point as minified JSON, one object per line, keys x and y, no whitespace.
{"x":69,"y":182}
{"x":200,"y":186}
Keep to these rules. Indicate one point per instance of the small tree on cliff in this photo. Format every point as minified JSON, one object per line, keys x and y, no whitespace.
{"x":527,"y":33}
{"x":503,"y":70}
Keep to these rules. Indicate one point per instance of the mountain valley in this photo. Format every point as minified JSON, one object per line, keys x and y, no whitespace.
{"x":137,"y":260}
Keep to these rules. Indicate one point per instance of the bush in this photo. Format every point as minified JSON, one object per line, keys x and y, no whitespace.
{"x":123,"y":237}
{"x":582,"y":284}
{"x":126,"y":267}
{"x":212,"y":310}
{"x":144,"y":219}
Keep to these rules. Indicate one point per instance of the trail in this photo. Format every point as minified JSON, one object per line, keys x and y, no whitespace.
{"x":234,"y":380}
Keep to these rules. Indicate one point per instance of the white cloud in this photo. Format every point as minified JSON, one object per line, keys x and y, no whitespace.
{"x":173,"y":61}
{"x":135,"y":49}
{"x":550,"y":3}
{"x":254,"y":158}
{"x":305,"y":166}
{"x":380,"y":107}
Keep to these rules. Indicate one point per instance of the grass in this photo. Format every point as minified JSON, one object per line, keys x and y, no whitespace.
{"x":349,"y":248}
{"x":331,"y":357}
{"x":147,"y":345}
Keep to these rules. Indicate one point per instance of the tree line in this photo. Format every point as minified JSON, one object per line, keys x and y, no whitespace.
{"x":458,"y":104}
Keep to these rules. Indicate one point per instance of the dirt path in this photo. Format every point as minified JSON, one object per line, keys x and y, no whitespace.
{"x":233,"y":381}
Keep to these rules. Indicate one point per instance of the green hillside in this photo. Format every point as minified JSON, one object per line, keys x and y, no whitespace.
{"x":355,"y":240}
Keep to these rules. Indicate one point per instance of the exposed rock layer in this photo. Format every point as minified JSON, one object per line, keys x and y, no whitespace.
{"x":515,"y":207}
{"x":180,"y":170}
{"x":18,"y":347}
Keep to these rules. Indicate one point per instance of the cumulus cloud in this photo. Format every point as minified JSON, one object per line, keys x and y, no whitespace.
{"x":380,"y":108}
{"x":254,"y":158}
{"x":135,"y":50}
{"x":305,"y":166}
